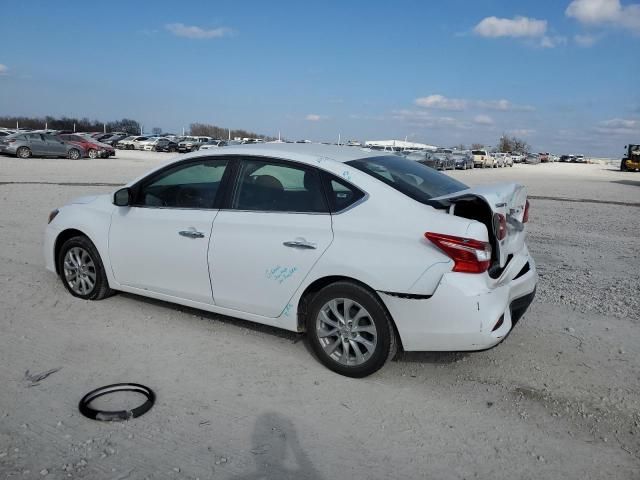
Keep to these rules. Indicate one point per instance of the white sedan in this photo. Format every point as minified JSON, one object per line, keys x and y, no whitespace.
{"x":365,"y":251}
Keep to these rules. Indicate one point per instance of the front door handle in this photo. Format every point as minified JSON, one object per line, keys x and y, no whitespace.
{"x":191,"y":234}
{"x":300,"y":243}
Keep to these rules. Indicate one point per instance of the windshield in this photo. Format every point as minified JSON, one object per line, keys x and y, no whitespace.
{"x":414,"y":179}
{"x":479,"y":152}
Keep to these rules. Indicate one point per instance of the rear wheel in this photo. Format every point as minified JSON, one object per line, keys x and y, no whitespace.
{"x":23,"y":152}
{"x":349,"y":330}
{"x":81,"y":269}
{"x":73,"y":154}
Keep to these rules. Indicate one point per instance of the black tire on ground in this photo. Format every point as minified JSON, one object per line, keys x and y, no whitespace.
{"x":74,"y":154}
{"x":623,"y":165}
{"x":386,"y":345}
{"x":23,"y":152}
{"x":101,"y":287}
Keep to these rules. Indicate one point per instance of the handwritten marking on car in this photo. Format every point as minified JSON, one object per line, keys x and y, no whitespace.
{"x":279,"y":273}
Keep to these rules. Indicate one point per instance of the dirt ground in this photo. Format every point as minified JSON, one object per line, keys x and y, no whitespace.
{"x":560,"y":398}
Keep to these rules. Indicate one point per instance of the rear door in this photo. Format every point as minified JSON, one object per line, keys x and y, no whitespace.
{"x":276,"y":228}
{"x":36,"y":143}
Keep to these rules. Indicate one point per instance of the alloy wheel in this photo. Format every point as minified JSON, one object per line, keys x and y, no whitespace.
{"x":79,"y":271}
{"x":346,"y":331}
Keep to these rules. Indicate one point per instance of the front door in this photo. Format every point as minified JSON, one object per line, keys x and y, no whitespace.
{"x":276,"y":229}
{"x":160,"y":242}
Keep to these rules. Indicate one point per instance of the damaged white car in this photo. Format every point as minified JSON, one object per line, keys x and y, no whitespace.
{"x":364,"y":251}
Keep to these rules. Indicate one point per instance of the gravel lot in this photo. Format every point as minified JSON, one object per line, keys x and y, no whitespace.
{"x":558,"y":399}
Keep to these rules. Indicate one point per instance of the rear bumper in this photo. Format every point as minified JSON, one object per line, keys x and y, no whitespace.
{"x":466,"y":312}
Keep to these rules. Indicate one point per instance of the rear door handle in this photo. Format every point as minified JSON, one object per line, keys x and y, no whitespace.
{"x":191,"y":234}
{"x":300,"y":243}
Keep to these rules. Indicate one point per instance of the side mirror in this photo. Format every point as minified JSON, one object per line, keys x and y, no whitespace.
{"x":122,"y":198}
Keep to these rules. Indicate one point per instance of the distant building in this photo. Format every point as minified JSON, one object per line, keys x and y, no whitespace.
{"x":397,"y":145}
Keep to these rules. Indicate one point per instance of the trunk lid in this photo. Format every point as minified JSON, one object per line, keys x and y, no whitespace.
{"x":507,"y":199}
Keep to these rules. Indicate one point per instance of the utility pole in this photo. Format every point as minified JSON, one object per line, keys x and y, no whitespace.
{"x":339,"y":139}
{"x":74,"y":128}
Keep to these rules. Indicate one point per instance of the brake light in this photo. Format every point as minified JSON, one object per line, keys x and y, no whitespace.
{"x":469,"y":255}
{"x":525,"y":216}
{"x":500,"y":226}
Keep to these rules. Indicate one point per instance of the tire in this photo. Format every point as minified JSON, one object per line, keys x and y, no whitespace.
{"x":23,"y":152}
{"x":376,"y":344}
{"x":74,"y":154}
{"x":80,"y":253}
{"x":93,"y":153}
{"x":623,"y":165}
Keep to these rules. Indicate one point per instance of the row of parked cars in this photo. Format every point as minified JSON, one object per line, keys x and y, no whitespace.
{"x":449,"y":159}
{"x":53,"y":143}
{"x":170,"y":143}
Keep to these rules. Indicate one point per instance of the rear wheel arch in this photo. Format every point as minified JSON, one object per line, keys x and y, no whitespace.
{"x":314,"y":287}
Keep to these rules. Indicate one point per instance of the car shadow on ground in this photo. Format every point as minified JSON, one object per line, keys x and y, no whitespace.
{"x":233,"y":321}
{"x":633,"y":183}
{"x":293,"y":337}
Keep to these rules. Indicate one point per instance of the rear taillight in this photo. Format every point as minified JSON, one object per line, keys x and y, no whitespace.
{"x":500,"y":226}
{"x":525,"y":216}
{"x":469,"y":255}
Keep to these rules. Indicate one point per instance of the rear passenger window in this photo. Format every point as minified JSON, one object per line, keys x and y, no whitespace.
{"x":271,"y":186}
{"x":341,"y":194}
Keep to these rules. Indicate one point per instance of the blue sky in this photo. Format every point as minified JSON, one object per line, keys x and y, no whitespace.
{"x":564,"y":75}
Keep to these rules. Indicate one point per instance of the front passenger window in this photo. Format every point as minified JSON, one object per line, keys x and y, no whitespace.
{"x":194,"y":185}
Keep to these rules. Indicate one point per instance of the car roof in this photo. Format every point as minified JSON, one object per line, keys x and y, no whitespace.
{"x":299,"y":152}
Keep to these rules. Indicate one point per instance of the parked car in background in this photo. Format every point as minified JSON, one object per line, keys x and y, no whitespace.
{"x":93,"y":148}
{"x":160,"y":144}
{"x":437,"y":161}
{"x":532,"y":158}
{"x":114,"y":138}
{"x":508,"y":160}
{"x":544,"y":157}
{"x":191,"y":144}
{"x":463,"y":159}
{"x":25,"y":145}
{"x":131,"y":143}
{"x":462,"y":275}
{"x":580,"y":159}
{"x":499,"y":159}
{"x":517,"y":157}
{"x":482,"y":159}
{"x":213,"y":144}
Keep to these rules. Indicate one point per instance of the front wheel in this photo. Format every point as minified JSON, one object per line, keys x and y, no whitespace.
{"x":623,"y":165}
{"x":81,"y":269}
{"x":93,"y":154}
{"x":349,"y":330}
{"x":73,"y":154}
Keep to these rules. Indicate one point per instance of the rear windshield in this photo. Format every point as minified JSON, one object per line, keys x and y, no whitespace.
{"x":478,"y":152}
{"x":412,"y":178}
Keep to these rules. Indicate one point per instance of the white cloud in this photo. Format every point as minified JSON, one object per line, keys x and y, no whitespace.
{"x":517,"y":27}
{"x":313,"y":117}
{"x":420,"y":118}
{"x":521,"y":132}
{"x":483,"y":120}
{"x":182,"y":30}
{"x":441,"y":102}
{"x":619,"y":126}
{"x":585,"y":40}
{"x":605,"y":12}
{"x":552,"y":41}
{"x":4,"y":70}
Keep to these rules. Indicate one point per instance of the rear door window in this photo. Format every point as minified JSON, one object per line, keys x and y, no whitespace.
{"x":275,"y":186}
